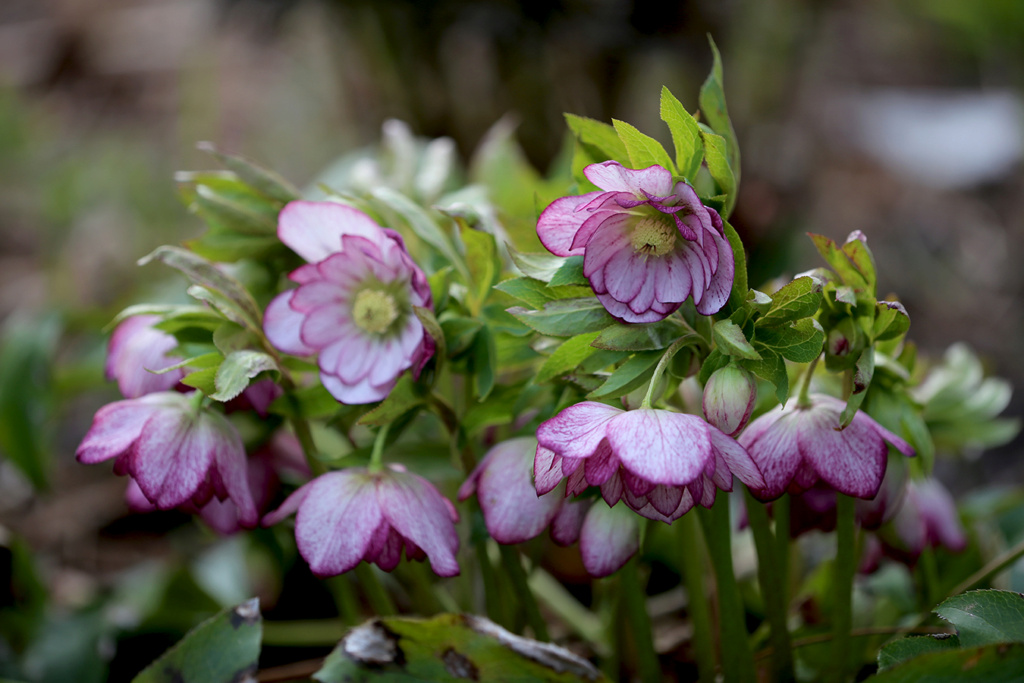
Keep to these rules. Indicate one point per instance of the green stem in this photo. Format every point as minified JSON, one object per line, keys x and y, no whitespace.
{"x":691,"y":565}
{"x":492,"y":596}
{"x":842,"y":585}
{"x":553,"y":595}
{"x":780,"y":512}
{"x":930,"y":576}
{"x":773,"y":589}
{"x":802,"y":399}
{"x":666,"y":358}
{"x":345,"y":599}
{"x":303,"y":633}
{"x":305,"y":437}
{"x":737,"y":659}
{"x":995,"y":566}
{"x":514,"y":569}
{"x":376,"y":594}
{"x":634,"y":600}
{"x":377,"y":454}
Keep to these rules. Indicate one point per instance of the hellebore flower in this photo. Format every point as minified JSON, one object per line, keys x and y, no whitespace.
{"x":647,"y":244}
{"x":798,"y":445}
{"x":175,"y":451}
{"x":137,"y":349}
{"x":354,"y":303}
{"x":729,"y":398}
{"x":661,"y":463}
{"x":347,"y":516}
{"x":927,"y":519}
{"x":513,"y":512}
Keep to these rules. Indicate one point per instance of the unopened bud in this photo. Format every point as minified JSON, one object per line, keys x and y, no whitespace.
{"x":729,"y":398}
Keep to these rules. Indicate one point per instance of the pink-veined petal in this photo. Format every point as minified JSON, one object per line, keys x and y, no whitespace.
{"x":172,"y":457}
{"x":660,"y":446}
{"x":337,"y":520}
{"x":612,"y":176}
{"x":565,"y":527}
{"x":577,"y":430}
{"x":313,"y":230}
{"x":282,"y":324}
{"x":513,"y":511}
{"x":116,"y":426}
{"x":608,"y":538}
{"x":559,"y":222}
{"x":416,"y":510}
{"x":852,"y":460}
{"x":547,"y":470}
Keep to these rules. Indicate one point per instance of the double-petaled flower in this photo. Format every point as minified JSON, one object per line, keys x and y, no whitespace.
{"x":648,"y":244}
{"x":351,"y":515}
{"x":176,"y":451}
{"x":354,"y":304}
{"x":659,"y":462}
{"x":799,"y":445}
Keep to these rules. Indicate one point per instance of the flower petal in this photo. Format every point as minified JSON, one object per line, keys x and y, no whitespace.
{"x":282,"y":324}
{"x":547,"y":470}
{"x":852,"y":460}
{"x":612,"y":176}
{"x":116,"y":426}
{"x":337,"y":520}
{"x":771,"y":441}
{"x":417,"y":510}
{"x":313,"y":230}
{"x":565,"y":528}
{"x":660,"y":446}
{"x":737,"y":459}
{"x":172,"y":457}
{"x":559,"y":222}
{"x":513,"y":511}
{"x":609,"y":537}
{"x":577,"y":431}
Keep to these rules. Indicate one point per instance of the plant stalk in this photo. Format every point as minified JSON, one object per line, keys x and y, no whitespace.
{"x":634,"y":601}
{"x":692,"y":552}
{"x":842,"y":585}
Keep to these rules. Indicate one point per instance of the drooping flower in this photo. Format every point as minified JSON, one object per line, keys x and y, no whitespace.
{"x":659,"y":462}
{"x":647,"y":243}
{"x":927,"y":519}
{"x":136,"y":351}
{"x":799,"y":445}
{"x":347,"y":516}
{"x":175,"y":451}
{"x":353,"y":307}
{"x":729,"y":398}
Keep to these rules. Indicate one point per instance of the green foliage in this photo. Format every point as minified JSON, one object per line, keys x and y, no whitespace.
{"x":643,"y":150}
{"x":448,"y":647}
{"x":565,"y":317}
{"x":570,"y":273}
{"x":686,"y":135}
{"x":226,"y":647}
{"x":567,"y":356}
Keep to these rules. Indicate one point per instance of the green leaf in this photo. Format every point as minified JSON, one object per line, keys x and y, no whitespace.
{"x":712,"y":106}
{"x":739,"y":281}
{"x":483,"y":260}
{"x":859,"y":255}
{"x":403,"y":398}
{"x":232,"y":216}
{"x":570,"y":273}
{"x":801,"y":298}
{"x":640,"y":337}
{"x":567,"y":356}
{"x":730,"y":339}
{"x":448,"y":647}
{"x":985,"y":617}
{"x":229,"y":247}
{"x":914,"y":646}
{"x":715,"y":361}
{"x":237,"y":369}
{"x":459,"y":333}
{"x":988,"y":664}
{"x":643,"y":150}
{"x":840,"y":262}
{"x":718,"y":166}
{"x":433,"y":329}
{"x":536,"y":293}
{"x":484,"y":362}
{"x":863,"y":371}
{"x":891,"y":321}
{"x":422,"y":225}
{"x":598,"y":135}
{"x":770,"y":368}
{"x":207,"y":275}
{"x":800,"y":342}
{"x":223,"y":648}
{"x":565,"y":317}
{"x":312,"y":402}
{"x":685,"y":135}
{"x":204,"y":380}
{"x":631,"y":375}
{"x":759,"y":302}
{"x":263,"y":180}
{"x":538,"y":266}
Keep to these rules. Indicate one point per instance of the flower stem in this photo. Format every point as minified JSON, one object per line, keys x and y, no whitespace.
{"x":842,"y":585}
{"x":376,"y":594}
{"x":666,"y":358}
{"x":780,"y":512}
{"x":345,"y":599}
{"x":773,"y":590}
{"x":492,"y":597}
{"x":737,"y":659}
{"x":690,"y":558}
{"x":305,"y":437}
{"x":802,"y":399}
{"x":514,"y":569}
{"x":634,"y":600}
{"x":377,"y":454}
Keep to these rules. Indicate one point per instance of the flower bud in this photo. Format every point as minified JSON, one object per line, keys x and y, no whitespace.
{"x":729,"y":398}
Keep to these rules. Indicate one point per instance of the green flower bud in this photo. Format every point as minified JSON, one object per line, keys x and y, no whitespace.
{"x":729,"y":398}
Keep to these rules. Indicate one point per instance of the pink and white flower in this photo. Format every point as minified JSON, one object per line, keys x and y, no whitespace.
{"x":347,"y":516}
{"x":175,"y":451}
{"x":136,"y":351}
{"x":648,"y":244}
{"x":353,"y":307}
{"x":659,"y":462}
{"x":801,"y":444}
{"x":927,"y":519}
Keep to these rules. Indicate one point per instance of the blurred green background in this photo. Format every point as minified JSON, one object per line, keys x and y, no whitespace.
{"x":903,"y":119}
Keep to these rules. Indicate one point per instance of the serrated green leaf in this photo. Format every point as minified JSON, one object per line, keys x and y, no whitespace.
{"x":770,"y":368}
{"x":840,"y":262}
{"x":235,"y":371}
{"x":207,"y":275}
{"x":203,"y":380}
{"x":914,"y":646}
{"x":713,"y":107}
{"x":863,"y":371}
{"x":985,"y":617}
{"x":891,"y":321}
{"x":459,"y":333}
{"x":760,"y":302}
{"x":403,"y":397}
{"x":599,"y":135}
{"x":231,"y":336}
{"x":484,"y":362}
{"x":629,"y":376}
{"x":641,"y":337}
{"x":569,"y":273}
{"x":685,"y":135}
{"x":800,"y":342}
{"x":730,"y":339}
{"x":448,"y":647}
{"x":483,"y":260}
{"x":739,"y":282}
{"x":538,"y":266}
{"x":200,"y":362}
{"x":223,"y":648}
{"x":566,"y":317}
{"x":643,"y":150}
{"x":567,"y":356}
{"x":991,"y":664}
{"x":439,"y":282}
{"x":717,"y":159}
{"x":422,"y":225}
{"x":801,"y":298}
{"x":222,"y":305}
{"x":263,"y":180}
{"x":535,"y":293}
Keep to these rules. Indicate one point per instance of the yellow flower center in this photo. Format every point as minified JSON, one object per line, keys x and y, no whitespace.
{"x":654,"y":236}
{"x":374,"y":310}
